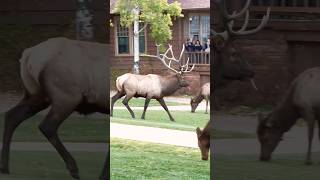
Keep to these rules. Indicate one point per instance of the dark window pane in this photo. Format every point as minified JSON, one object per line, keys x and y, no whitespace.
{"x":142,"y":46}
{"x":123,"y":45}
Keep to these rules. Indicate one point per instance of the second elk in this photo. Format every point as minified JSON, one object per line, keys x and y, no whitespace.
{"x":153,"y":86}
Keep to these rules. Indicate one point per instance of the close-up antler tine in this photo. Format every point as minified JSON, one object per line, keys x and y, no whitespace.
{"x":246,"y":21}
{"x":172,"y":54}
{"x":261,"y":25}
{"x":223,"y":10}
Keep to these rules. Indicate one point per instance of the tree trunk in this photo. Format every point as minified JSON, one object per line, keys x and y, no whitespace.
{"x":136,"y":68}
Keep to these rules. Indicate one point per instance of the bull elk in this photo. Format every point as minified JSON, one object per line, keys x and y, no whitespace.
{"x":153,"y":86}
{"x":66,"y":75}
{"x":204,"y":93}
{"x":301,"y":100}
{"x":228,"y":64}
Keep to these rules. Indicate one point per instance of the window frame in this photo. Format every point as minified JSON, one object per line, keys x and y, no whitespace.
{"x":130,"y":31}
{"x":200,"y":21}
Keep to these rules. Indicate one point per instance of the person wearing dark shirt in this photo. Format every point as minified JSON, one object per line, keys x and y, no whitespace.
{"x":188,"y":45}
{"x":198,"y":46}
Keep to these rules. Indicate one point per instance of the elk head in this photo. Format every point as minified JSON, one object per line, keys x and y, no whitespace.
{"x":269,"y":136}
{"x":228,"y":63}
{"x":203,"y":143}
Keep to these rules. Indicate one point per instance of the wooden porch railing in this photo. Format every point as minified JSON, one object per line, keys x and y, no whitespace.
{"x":198,"y":57}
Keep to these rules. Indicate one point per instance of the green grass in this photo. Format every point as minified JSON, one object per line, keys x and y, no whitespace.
{"x":282,"y":167}
{"x":137,"y":160}
{"x":49,"y":166}
{"x":184,"y":121}
{"x":139,"y":102}
{"x":74,"y":129}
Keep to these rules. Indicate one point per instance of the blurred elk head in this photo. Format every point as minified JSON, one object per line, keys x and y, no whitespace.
{"x":228,"y":63}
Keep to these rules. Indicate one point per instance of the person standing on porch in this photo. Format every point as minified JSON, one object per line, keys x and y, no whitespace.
{"x":207,"y":46}
{"x":198,"y":49}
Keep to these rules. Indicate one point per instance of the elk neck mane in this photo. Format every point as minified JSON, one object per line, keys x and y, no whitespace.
{"x":170,"y":84}
{"x":285,"y":114}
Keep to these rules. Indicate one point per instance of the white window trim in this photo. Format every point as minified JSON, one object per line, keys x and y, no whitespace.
{"x":201,"y":27}
{"x":130,"y":39}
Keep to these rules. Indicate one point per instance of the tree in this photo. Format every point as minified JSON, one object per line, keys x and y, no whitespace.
{"x":156,"y":14}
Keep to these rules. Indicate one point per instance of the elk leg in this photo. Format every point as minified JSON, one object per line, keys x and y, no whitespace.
{"x":125,"y":102}
{"x":146,"y":103}
{"x":163,"y":104}
{"x":49,"y":127}
{"x":26,"y":108}
{"x":114,"y":98}
{"x":310,"y":119}
{"x":207,"y":105}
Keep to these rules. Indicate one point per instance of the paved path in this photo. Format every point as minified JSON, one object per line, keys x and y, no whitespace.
{"x":154,"y":135}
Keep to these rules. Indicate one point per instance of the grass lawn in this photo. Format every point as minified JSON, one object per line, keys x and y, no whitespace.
{"x":49,"y":166}
{"x":282,"y":167}
{"x":138,"y":160}
{"x":74,"y":129}
{"x":139,"y":102}
{"x":184,"y":121}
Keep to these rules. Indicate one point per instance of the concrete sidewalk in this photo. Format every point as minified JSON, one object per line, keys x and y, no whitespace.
{"x":154,"y":135}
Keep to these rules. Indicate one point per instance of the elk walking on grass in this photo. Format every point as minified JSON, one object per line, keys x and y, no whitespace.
{"x":204,"y":93}
{"x":66,"y":75}
{"x":152,"y":86}
{"x":301,"y":100}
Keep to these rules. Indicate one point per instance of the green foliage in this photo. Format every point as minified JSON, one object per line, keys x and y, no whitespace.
{"x":158,"y":14}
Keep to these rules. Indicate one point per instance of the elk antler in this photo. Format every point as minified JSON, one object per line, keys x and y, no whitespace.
{"x":163,"y":57}
{"x":228,"y":21}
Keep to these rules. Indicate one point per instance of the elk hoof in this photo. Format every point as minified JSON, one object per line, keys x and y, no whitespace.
{"x":173,"y":120}
{"x":143,"y":118}
{"x":206,"y":112}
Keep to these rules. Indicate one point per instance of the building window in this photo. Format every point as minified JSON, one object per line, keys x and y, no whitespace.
{"x":124,"y":39}
{"x":199,"y":27}
{"x":142,"y":40}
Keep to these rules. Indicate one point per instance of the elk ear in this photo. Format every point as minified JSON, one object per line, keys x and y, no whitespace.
{"x":199,"y":132}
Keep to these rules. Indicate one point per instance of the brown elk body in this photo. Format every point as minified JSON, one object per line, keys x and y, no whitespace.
{"x":204,"y":93}
{"x":149,"y":86}
{"x":228,"y":64}
{"x":204,"y":139}
{"x":152,"y":86}
{"x":66,"y":75}
{"x":301,"y":100}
